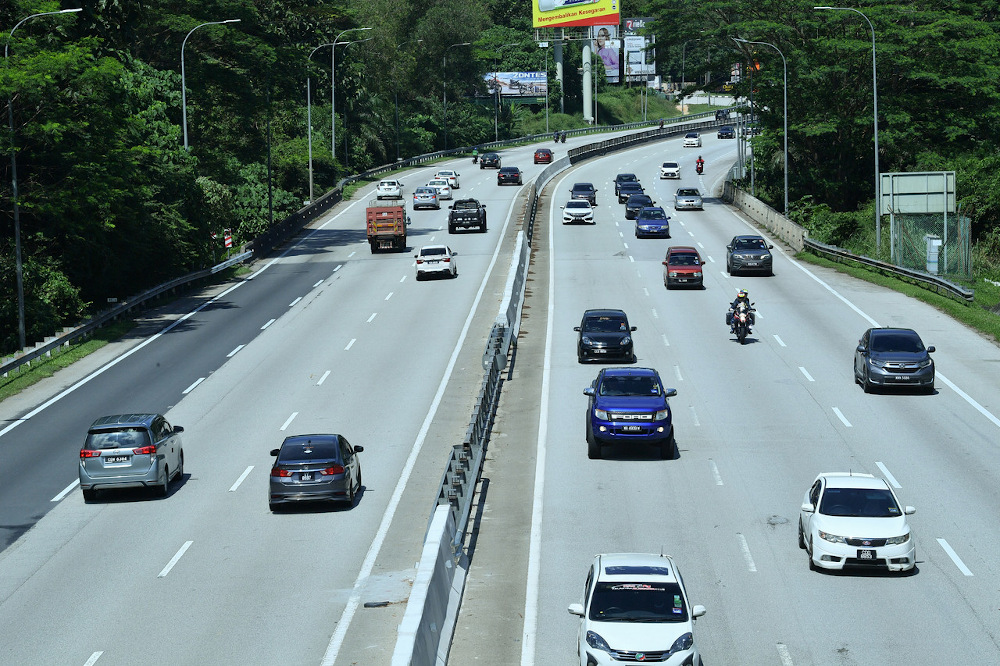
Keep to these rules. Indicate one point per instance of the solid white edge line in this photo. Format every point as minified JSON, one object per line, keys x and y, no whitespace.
{"x":746,"y":552}
{"x":93,"y":658}
{"x":323,"y":378}
{"x":235,"y":351}
{"x":979,"y":408}
{"x":843,"y":419}
{"x":780,"y":341}
{"x":174,"y":559}
{"x":333,"y":647}
{"x":715,"y":472}
{"x":806,"y":373}
{"x":888,"y":475}
{"x":350,"y":344}
{"x":337,"y":267}
{"x":786,"y":657}
{"x":288,"y":422}
{"x":954,"y":557}
{"x":66,"y":491}
{"x":243,"y":476}
{"x":193,"y":386}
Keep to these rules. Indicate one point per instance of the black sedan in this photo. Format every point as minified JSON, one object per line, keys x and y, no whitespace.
{"x":625,"y":190}
{"x":509,"y":175}
{"x":604,"y":335}
{"x":635,"y":203}
{"x":309,"y":468}
{"x":489,"y":160}
{"x":625,"y":178}
{"x":727,"y":132}
{"x":888,"y":357}
{"x":749,"y":253}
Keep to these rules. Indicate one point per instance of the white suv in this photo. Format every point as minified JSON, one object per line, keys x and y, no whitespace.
{"x":692,"y":140}
{"x":635,"y":608}
{"x":449,"y":175}
{"x":389,"y":189}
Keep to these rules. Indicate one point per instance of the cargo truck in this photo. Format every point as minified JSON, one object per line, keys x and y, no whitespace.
{"x":386,"y":225}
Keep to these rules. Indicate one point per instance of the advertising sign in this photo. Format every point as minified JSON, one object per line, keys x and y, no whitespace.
{"x":517,"y":84}
{"x":553,"y":13}
{"x":609,"y":49}
{"x":640,"y":60}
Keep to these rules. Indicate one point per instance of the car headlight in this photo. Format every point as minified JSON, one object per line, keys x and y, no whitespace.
{"x":765,"y":257}
{"x":924,"y":363}
{"x":876,"y":362}
{"x":697,"y":274}
{"x":595,"y":641}
{"x":832,"y":538}
{"x":661,"y":415}
{"x":683,"y":642}
{"x":602,"y":415}
{"x":627,"y":340}
{"x":895,"y":541}
{"x":587,"y":341}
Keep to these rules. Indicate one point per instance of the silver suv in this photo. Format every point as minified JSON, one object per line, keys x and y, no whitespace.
{"x":131,"y":451}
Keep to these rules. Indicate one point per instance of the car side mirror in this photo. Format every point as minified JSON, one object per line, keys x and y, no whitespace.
{"x":633,"y":328}
{"x":416,"y":256}
{"x":909,"y":510}
{"x":698,"y":611}
{"x":930,"y":350}
{"x":589,"y":391}
{"x":670,"y":393}
{"x":454,"y":253}
{"x":408,"y":220}
{"x":561,"y":207}
{"x":178,"y":428}
{"x":576,"y":609}
{"x":274,"y":452}
{"x":665,"y":263}
{"x":807,"y":508}
{"x":576,"y":328}
{"x":482,"y":205}
{"x":729,"y":247}
{"x":359,"y":449}
{"x":450,"y":207}
{"x":861,"y":349}
{"x":770,"y":247}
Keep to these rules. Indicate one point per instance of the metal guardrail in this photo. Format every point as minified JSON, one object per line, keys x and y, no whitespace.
{"x":939,"y":284}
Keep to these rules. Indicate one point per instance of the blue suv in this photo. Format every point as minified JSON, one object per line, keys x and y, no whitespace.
{"x":629,"y":405}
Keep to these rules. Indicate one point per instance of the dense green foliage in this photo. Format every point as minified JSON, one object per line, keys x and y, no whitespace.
{"x":111,"y":203}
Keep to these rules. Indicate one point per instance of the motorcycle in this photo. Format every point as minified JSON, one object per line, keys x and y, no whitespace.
{"x":564,"y":137}
{"x":699,"y":167}
{"x":741,"y":320}
{"x":555,"y":137}
{"x":475,"y":159}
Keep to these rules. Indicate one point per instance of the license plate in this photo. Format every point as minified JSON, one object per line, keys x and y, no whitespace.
{"x":600,"y":351}
{"x":753,"y":263}
{"x":631,"y":428}
{"x":116,"y":459}
{"x":306,"y":476}
{"x":867,"y":554}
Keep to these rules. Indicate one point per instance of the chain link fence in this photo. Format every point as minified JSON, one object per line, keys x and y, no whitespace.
{"x":933,"y":243}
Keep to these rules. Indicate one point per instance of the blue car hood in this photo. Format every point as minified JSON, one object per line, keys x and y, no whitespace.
{"x":620,"y":403}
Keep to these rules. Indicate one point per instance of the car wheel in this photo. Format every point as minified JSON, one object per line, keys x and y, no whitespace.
{"x":593,"y":446}
{"x":668,"y":449}
{"x":451,"y":229}
{"x":812,"y":565}
{"x":163,"y":489}
{"x":802,"y":541}
{"x":866,"y":384}
{"x":180,"y":466}
{"x":420,"y":277}
{"x":350,"y":496}
{"x":273,"y":506}
{"x":89,"y":495}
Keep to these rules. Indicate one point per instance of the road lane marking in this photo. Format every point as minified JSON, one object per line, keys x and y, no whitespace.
{"x":66,"y":491}
{"x":666,"y":343}
{"x":388,"y":296}
{"x":645,"y":291}
{"x":954,"y":557}
{"x":323,"y":378}
{"x":192,"y":387}
{"x":174,"y":559}
{"x":711,"y":259}
{"x":93,"y":658}
{"x":808,"y":376}
{"x":350,"y":344}
{"x":715,"y":472}
{"x":758,"y":313}
{"x":842,"y":418}
{"x":374,"y":314}
{"x":267,"y":324}
{"x":691,"y":234}
{"x":725,"y":274}
{"x":233,"y":353}
{"x":402,"y":279}
{"x":677,"y":371}
{"x":289,"y":421}
{"x":243,"y":476}
{"x":621,"y":235}
{"x":979,"y":408}
{"x":350,"y":255}
{"x":746,"y":552}
{"x":339,"y":266}
{"x":701,"y":246}
{"x":786,"y":658}
{"x":694,"y":416}
{"x":295,"y":302}
{"x":888,"y":475}
{"x":630,"y":257}
{"x":655,"y":315}
{"x":317,"y":284}
{"x":779,"y":341}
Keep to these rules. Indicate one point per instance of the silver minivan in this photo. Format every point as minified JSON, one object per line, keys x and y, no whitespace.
{"x":131,"y":451}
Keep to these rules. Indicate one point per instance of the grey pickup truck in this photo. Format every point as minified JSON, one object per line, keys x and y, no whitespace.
{"x":466,"y":214}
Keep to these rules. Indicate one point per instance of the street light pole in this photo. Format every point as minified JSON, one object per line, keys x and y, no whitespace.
{"x":444,"y":82}
{"x":545,"y":45}
{"x":184,"y":79}
{"x":396,"y":96}
{"x":13,"y":179}
{"x":878,"y":185}
{"x":784,"y":64}
{"x":309,"y":119}
{"x":333,"y":91}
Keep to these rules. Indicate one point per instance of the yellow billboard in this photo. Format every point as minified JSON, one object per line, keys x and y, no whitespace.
{"x":560,"y":13}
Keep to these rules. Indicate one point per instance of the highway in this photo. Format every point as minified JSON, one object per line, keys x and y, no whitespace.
{"x":755,"y":424}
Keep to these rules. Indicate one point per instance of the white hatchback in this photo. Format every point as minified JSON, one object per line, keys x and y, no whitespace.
{"x":389,"y":189}
{"x":635,"y":608}
{"x":442,"y":186}
{"x":436,"y":260}
{"x":854,"y":520}
{"x":670,"y":170}
{"x":451,"y":176}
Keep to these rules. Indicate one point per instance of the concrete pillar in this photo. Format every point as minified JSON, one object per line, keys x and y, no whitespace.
{"x":557,"y":54}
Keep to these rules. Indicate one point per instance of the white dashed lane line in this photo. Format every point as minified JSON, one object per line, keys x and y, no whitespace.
{"x":746,"y":553}
{"x":888,"y":476}
{"x":288,"y":421}
{"x":694,"y":416}
{"x":955,"y":558}
{"x":339,"y":266}
{"x":388,"y":296}
{"x":715,"y":472}
{"x":234,"y":352}
{"x":656,"y":315}
{"x":786,"y":658}
{"x":842,"y":418}
{"x":711,"y":259}
{"x":93,"y":658}
{"x":323,"y":378}
{"x":666,"y":343}
{"x":243,"y":476}
{"x":349,"y":256}
{"x":193,"y":386}
{"x":374,"y":314}
{"x":677,"y":373}
{"x":267,"y":324}
{"x":645,"y":291}
{"x":174,"y":559}
{"x":402,"y":279}
{"x":350,"y":344}
{"x":806,"y":373}
{"x":295,"y":302}
{"x":779,"y":341}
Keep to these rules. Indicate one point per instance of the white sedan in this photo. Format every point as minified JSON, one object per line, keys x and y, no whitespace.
{"x":670,"y":170}
{"x":442,"y":186}
{"x":436,"y":260}
{"x":451,"y":176}
{"x":578,"y":210}
{"x":692,"y":140}
{"x":389,"y":189}
{"x":635,"y":608}
{"x":855,"y":520}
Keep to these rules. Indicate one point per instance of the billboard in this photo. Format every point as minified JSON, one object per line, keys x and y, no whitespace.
{"x":640,"y":59}
{"x":517,"y":84}
{"x":609,"y":49}
{"x":558,"y":13}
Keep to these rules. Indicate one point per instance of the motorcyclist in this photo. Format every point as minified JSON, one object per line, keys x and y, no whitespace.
{"x":699,"y":164}
{"x":661,"y":123}
{"x":741,"y":297}
{"x":555,"y":136}
{"x":475,"y":155}
{"x":564,"y":137}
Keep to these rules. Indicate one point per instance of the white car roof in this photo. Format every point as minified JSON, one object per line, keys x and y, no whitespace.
{"x":852,"y":480}
{"x":433,"y":247}
{"x":636,"y":566}
{"x":578,"y":203}
{"x":438,"y":181}
{"x":449,"y":172}
{"x":388,"y":182}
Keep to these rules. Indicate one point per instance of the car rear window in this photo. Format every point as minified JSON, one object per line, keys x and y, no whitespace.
{"x":639,"y":200}
{"x":627,"y":178}
{"x":125,"y":438}
{"x":308,"y":451}
{"x":431,"y":251}
{"x":425,"y":190}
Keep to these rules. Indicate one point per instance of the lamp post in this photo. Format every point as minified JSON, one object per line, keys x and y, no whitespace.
{"x":333,"y":91}
{"x":444,"y":81}
{"x":13,"y":179}
{"x":878,"y":185}
{"x":309,"y":119}
{"x":184,"y":79}
{"x":784,"y":64}
{"x":396,"y":97}
{"x":347,"y":155}
{"x":545,"y":45}
{"x":683,"y":53}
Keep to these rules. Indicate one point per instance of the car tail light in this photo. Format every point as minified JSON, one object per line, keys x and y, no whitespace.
{"x":278,"y":472}
{"x":330,"y":471}
{"x":87,"y":453}
{"x":446,"y":259}
{"x":420,"y":261}
{"x":145,"y":451}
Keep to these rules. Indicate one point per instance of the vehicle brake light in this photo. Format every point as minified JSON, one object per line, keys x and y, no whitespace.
{"x":329,"y":471}
{"x":87,"y":453}
{"x":420,"y":261}
{"x":446,"y":259}
{"x":280,"y":472}
{"x":145,"y":451}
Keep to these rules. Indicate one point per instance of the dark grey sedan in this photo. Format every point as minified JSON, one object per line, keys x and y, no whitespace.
{"x":749,"y":253}
{"x":604,"y":335}
{"x":310,"y":468}
{"x":887,"y":357}
{"x":635,"y":203}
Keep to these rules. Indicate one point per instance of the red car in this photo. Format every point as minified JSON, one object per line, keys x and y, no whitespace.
{"x":682,"y":267}
{"x":543,"y":156}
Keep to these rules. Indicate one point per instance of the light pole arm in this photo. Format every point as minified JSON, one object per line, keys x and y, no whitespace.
{"x":184,"y":78}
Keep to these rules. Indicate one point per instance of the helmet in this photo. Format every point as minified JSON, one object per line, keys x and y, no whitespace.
{"x":742,"y":293}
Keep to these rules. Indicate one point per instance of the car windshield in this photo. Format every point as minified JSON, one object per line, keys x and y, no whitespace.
{"x":688,"y":193}
{"x":307,"y":451}
{"x":638,"y":602}
{"x":750,"y":244}
{"x":897,"y":342}
{"x":583,"y":187}
{"x":684,"y":260}
{"x":653,"y":214}
{"x":670,"y":165}
{"x":578,"y":204}
{"x":859,"y":503}
{"x":431,"y":251}
{"x":126,"y":438}
{"x":605,"y":324}
{"x":630,"y":386}
{"x":691,"y":135}
{"x":627,"y":178}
